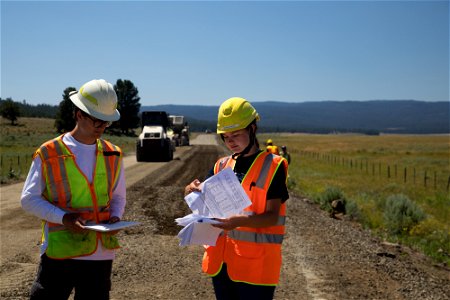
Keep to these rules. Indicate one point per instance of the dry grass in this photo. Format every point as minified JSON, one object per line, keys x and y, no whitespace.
{"x":359,"y":165}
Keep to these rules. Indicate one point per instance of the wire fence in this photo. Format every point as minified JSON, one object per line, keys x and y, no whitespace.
{"x":426,"y":178}
{"x":14,"y":165}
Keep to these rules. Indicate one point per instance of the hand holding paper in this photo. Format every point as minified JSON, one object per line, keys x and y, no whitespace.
{"x":222,"y":196}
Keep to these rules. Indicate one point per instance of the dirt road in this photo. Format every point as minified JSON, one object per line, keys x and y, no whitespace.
{"x":324,"y":258}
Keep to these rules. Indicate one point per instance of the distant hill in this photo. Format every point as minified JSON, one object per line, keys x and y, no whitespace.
{"x":370,"y":117}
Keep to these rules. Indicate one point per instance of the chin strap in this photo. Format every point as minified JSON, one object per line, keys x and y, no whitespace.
{"x":250,"y":145}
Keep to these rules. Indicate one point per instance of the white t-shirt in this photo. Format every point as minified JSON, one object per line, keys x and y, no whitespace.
{"x":33,"y":202}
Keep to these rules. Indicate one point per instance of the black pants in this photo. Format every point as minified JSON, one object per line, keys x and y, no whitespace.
{"x":226,"y":289}
{"x":55,"y":279}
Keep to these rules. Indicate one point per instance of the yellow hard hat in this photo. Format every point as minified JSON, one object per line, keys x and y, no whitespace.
{"x":235,"y":114}
{"x":269,"y":141}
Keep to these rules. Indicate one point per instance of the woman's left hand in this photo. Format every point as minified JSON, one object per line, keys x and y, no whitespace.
{"x":230,"y":223}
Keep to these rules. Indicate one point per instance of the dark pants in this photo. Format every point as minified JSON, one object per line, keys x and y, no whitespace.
{"x":56,"y":279}
{"x":226,"y":289}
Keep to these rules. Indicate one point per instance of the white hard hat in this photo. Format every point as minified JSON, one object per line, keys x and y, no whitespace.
{"x":98,"y":99}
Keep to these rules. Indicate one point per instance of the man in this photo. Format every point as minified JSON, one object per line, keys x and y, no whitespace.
{"x":74,"y":179}
{"x":284,"y":153}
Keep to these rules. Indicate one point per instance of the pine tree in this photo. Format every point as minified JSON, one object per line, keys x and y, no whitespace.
{"x":128,"y":105}
{"x":64,"y":118}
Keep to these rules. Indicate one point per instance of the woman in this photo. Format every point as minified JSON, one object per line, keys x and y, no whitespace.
{"x":246,"y":261}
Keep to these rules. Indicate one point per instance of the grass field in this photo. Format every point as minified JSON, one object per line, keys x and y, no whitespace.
{"x":367,"y":169}
{"x":18,"y":143}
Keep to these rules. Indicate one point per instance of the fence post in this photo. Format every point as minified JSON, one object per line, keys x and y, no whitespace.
{"x":425,"y":179}
{"x":435,"y":180}
{"x":389,"y":171}
{"x":404,"y":175}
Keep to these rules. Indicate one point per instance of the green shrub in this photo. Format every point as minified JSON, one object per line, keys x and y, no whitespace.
{"x":329,"y":195}
{"x":401,"y":214}
{"x":352,"y":210}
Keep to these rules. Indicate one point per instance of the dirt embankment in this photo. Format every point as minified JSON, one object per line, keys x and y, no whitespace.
{"x":324,"y":258}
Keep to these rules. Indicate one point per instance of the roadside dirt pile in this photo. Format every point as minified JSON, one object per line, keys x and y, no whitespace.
{"x":324,"y":258}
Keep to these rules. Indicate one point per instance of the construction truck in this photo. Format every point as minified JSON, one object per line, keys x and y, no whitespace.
{"x":180,"y":130}
{"x":154,"y":143}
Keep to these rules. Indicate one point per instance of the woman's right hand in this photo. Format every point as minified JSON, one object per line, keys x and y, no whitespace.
{"x":192,"y":187}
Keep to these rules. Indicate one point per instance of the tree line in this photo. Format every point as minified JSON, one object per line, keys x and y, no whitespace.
{"x":128,"y":106}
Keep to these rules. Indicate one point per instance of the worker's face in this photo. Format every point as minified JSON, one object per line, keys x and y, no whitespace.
{"x":237,"y":140}
{"x":90,"y":125}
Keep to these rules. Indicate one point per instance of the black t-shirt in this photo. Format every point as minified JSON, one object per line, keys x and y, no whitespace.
{"x":277,"y":188}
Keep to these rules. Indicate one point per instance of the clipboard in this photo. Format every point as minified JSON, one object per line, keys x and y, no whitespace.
{"x":111,"y":227}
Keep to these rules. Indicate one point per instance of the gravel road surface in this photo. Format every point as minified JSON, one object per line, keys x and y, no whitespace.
{"x":324,"y":258}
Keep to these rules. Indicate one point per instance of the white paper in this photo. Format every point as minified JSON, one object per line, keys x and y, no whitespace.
{"x":221,"y":196}
{"x":199,"y":232}
{"x":110,"y":227}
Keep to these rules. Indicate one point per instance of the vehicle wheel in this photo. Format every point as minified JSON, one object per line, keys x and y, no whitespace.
{"x":140,"y":156}
{"x":167,"y":153}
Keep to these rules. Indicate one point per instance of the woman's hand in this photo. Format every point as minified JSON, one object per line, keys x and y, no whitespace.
{"x":230,"y":223}
{"x":192,"y":187}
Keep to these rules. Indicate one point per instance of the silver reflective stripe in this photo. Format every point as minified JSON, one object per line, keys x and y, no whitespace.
{"x":53,"y":192}
{"x":116,"y":167}
{"x":281,"y":220}
{"x":223,"y":163}
{"x":107,"y":166}
{"x":64,"y":177}
{"x":56,"y":228}
{"x":254,"y":237}
{"x":264,"y":171}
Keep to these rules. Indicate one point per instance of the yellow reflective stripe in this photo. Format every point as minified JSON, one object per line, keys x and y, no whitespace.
{"x":86,"y":95}
{"x":253,"y":163}
{"x":217,"y":273}
{"x":255,"y":237}
{"x":268,"y":284}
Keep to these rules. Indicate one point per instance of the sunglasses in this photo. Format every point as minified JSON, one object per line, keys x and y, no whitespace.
{"x":96,"y":122}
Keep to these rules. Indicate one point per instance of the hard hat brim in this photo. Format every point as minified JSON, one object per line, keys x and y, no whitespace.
{"x":78,"y":103}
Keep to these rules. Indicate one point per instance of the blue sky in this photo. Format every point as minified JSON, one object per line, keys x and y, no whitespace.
{"x":207,"y":51}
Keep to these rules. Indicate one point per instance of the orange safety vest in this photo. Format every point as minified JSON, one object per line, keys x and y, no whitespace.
{"x":252,"y":255}
{"x":68,"y":188}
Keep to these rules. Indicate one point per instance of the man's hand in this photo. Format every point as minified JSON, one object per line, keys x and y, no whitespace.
{"x":73,"y":222}
{"x":112,"y":220}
